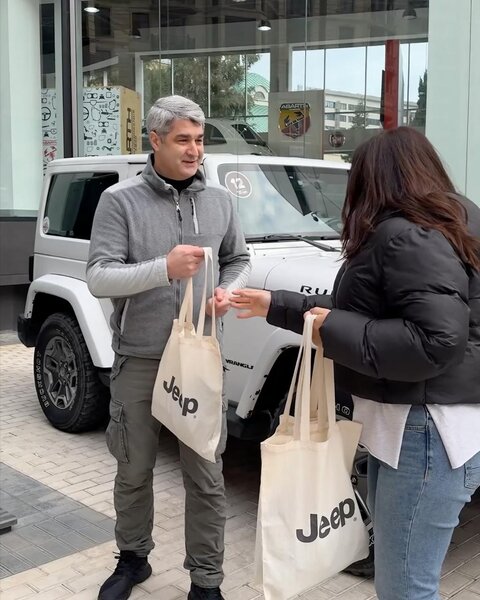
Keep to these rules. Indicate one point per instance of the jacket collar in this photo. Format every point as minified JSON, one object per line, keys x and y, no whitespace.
{"x":389,"y":213}
{"x":158,"y":184}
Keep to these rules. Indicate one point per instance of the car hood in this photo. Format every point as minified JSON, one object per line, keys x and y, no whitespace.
{"x":305,"y":270}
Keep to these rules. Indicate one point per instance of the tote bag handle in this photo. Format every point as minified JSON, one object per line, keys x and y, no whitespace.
{"x":317,"y":399}
{"x":186,"y":310}
{"x":323,"y":391}
{"x":301,"y":383}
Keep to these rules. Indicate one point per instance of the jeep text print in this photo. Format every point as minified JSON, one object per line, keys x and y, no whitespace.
{"x":345,"y":510}
{"x":188,"y":405}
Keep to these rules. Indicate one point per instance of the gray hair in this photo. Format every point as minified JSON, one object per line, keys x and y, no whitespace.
{"x":170,"y":108}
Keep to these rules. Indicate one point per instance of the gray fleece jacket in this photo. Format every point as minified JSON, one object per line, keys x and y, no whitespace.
{"x":137,"y":222}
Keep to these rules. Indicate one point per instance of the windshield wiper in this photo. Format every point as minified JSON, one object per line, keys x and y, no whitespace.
{"x":277,"y":237}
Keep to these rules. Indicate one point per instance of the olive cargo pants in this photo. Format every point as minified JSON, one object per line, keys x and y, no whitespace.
{"x":132,"y":438}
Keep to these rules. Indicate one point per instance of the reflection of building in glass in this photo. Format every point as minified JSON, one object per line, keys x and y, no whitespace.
{"x":344,"y":110}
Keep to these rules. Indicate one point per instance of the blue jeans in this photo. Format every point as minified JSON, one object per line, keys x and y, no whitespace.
{"x":415,"y":509}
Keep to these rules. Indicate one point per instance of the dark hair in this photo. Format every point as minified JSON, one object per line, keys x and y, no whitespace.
{"x":399,"y":170}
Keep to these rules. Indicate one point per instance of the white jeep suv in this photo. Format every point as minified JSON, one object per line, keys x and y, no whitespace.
{"x":290,"y":212}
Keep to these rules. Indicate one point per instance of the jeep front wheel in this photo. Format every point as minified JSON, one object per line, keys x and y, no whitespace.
{"x":67,"y":383}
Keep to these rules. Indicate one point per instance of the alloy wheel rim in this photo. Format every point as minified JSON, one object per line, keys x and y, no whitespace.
{"x":61,"y":372}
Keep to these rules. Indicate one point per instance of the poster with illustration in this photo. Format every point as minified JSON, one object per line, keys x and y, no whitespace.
{"x":50,"y":134}
{"x":111,"y":121}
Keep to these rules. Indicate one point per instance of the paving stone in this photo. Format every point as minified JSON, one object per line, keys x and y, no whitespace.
{"x":453,"y":583}
{"x":17,"y":592}
{"x":13,"y":563}
{"x":34,"y":534}
{"x":53,"y":527}
{"x":35,"y":555}
{"x":11,"y":541}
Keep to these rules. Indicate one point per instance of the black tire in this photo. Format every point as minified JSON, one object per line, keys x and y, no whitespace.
{"x":68,"y":387}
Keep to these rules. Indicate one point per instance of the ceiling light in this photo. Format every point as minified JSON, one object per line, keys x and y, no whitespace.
{"x":409,"y":14}
{"x":264,"y":25}
{"x":91,"y":9}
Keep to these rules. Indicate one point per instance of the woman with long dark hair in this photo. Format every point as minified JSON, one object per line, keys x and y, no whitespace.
{"x":403,"y":328}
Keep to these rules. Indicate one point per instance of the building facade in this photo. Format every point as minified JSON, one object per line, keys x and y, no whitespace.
{"x":77,"y":77}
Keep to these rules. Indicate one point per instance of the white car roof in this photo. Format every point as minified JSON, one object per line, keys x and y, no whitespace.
{"x":250,"y":159}
{"x":215,"y":158}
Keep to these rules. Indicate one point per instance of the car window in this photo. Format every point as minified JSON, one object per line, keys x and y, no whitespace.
{"x":72,"y":201}
{"x":248,"y":134}
{"x":274,"y":199}
{"x":212,"y":135}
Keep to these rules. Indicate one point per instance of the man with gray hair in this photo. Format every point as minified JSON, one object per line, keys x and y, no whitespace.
{"x":147,"y":238}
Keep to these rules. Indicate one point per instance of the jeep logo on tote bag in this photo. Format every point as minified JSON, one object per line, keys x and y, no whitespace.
{"x":320,"y":527}
{"x":188,"y":405}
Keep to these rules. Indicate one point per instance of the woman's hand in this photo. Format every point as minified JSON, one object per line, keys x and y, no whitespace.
{"x":222,"y":303}
{"x":251,"y":303}
{"x":320,"y":315}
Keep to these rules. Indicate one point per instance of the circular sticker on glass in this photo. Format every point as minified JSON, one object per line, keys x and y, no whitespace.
{"x":238,"y":184}
{"x":45,"y":225}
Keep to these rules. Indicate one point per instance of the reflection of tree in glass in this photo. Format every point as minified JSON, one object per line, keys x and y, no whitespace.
{"x":228,"y":97}
{"x":358,"y":122}
{"x":358,"y":119}
{"x":291,"y":200}
{"x":420,"y":114}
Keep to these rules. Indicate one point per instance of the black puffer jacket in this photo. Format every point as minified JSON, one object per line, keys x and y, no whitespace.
{"x":405,"y":321}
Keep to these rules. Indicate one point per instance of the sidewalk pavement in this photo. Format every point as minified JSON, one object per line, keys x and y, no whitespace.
{"x":59,"y":486}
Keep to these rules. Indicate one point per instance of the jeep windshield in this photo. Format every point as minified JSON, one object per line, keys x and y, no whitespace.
{"x":274,"y":199}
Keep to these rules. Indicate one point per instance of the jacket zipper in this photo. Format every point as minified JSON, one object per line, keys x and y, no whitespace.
{"x":194,"y":216}
{"x":180,"y":239}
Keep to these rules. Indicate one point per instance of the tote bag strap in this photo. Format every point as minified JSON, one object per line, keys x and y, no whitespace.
{"x":323,"y":392}
{"x":294,"y":383}
{"x":201,"y":316}
{"x":186,"y":310}
{"x":315,"y":393}
{"x":300,"y":382}
{"x":301,"y":427}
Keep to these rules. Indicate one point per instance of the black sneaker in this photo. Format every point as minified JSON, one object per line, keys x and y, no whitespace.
{"x":200,"y":593}
{"x":363,"y":568}
{"x":130,"y":570}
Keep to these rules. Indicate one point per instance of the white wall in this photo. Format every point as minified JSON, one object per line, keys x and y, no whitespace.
{"x":453,"y":91}
{"x":20,"y":117}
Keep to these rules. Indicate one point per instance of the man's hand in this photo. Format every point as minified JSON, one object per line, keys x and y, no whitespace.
{"x":252,"y":303}
{"x":320,"y":315}
{"x":222,"y":303}
{"x":184,"y":261}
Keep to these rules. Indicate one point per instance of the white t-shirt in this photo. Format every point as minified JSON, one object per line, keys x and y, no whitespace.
{"x":383,"y":425}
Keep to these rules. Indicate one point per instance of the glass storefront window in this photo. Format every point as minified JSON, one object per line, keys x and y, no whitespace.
{"x":304,"y":77}
{"x":308,"y":69}
{"x":414,"y":59}
{"x":51,"y":80}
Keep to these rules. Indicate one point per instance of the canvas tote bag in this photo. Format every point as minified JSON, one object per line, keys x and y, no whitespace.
{"x":309,"y":524}
{"x":187,"y":396}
